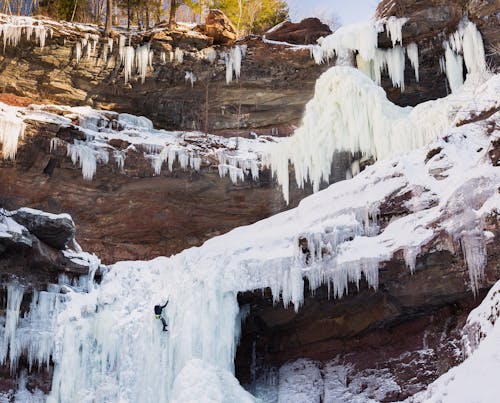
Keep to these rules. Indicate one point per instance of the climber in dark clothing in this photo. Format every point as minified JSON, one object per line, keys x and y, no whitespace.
{"x":158,"y":311}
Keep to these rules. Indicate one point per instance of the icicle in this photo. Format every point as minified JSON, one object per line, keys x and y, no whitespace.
{"x":229,"y":67}
{"x":454,"y":72}
{"x":142,"y":61}
{"x":10,"y":343}
{"x":394,"y":27}
{"x":396,"y":66}
{"x":11,"y":130}
{"x":128,"y":62}
{"x":179,"y":55}
{"x":110,"y":45}
{"x":236,"y":58}
{"x":78,"y":52}
{"x":190,"y":77}
{"x":121,"y":49}
{"x":412,"y":51}
{"x":163,"y":57}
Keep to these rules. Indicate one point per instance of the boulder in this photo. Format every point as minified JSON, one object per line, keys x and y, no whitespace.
{"x":220,"y":27}
{"x":305,"y":32}
{"x":54,"y":230}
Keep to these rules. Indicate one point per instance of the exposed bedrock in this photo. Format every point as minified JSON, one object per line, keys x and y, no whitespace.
{"x":409,"y":326}
{"x":131,"y":214}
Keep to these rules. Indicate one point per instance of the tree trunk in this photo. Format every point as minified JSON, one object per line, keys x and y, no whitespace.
{"x":173,"y":9}
{"x":109,"y":17}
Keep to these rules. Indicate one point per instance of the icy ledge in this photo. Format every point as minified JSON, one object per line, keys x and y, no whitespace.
{"x":235,"y":157}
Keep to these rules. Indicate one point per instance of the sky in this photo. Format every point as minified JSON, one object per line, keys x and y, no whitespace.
{"x":348,"y":11}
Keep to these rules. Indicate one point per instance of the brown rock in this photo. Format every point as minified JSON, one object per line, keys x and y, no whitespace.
{"x":219,"y":27}
{"x":305,"y":32}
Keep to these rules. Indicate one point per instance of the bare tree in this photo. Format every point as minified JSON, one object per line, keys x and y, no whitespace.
{"x":109,"y":17}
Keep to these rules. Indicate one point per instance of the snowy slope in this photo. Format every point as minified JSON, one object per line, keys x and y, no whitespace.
{"x":476,"y":379}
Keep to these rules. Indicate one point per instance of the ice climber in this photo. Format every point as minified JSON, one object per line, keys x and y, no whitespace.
{"x":158,"y":311}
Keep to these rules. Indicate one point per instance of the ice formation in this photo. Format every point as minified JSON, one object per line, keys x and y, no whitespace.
{"x":360,"y":41}
{"x":233,"y":60}
{"x":12,"y":29}
{"x":128,"y":62}
{"x":464,"y":46}
{"x":86,"y":157}
{"x":179,"y":55}
{"x":191,"y":77}
{"x":412,"y":52}
{"x":11,"y":130}
{"x":235,"y":157}
{"x":142,"y":60}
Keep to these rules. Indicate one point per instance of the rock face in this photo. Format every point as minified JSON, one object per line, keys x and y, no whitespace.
{"x":429,"y":23}
{"x":219,"y":27}
{"x":33,"y":253}
{"x":134,"y":213}
{"x":55,"y":231}
{"x":305,"y":32}
{"x":274,"y":86}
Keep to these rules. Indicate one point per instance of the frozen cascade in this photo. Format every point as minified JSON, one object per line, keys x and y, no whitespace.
{"x":350,"y":113}
{"x":11,"y":130}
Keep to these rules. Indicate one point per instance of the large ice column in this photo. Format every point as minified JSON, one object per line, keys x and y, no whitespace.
{"x":11,"y":130}
{"x":349,"y":112}
{"x":9,"y":342}
{"x":465,"y":46}
{"x":111,"y":348}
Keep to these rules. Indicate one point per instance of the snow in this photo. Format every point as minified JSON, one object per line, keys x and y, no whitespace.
{"x":45,"y":214}
{"x":476,"y":379}
{"x":199,"y":382}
